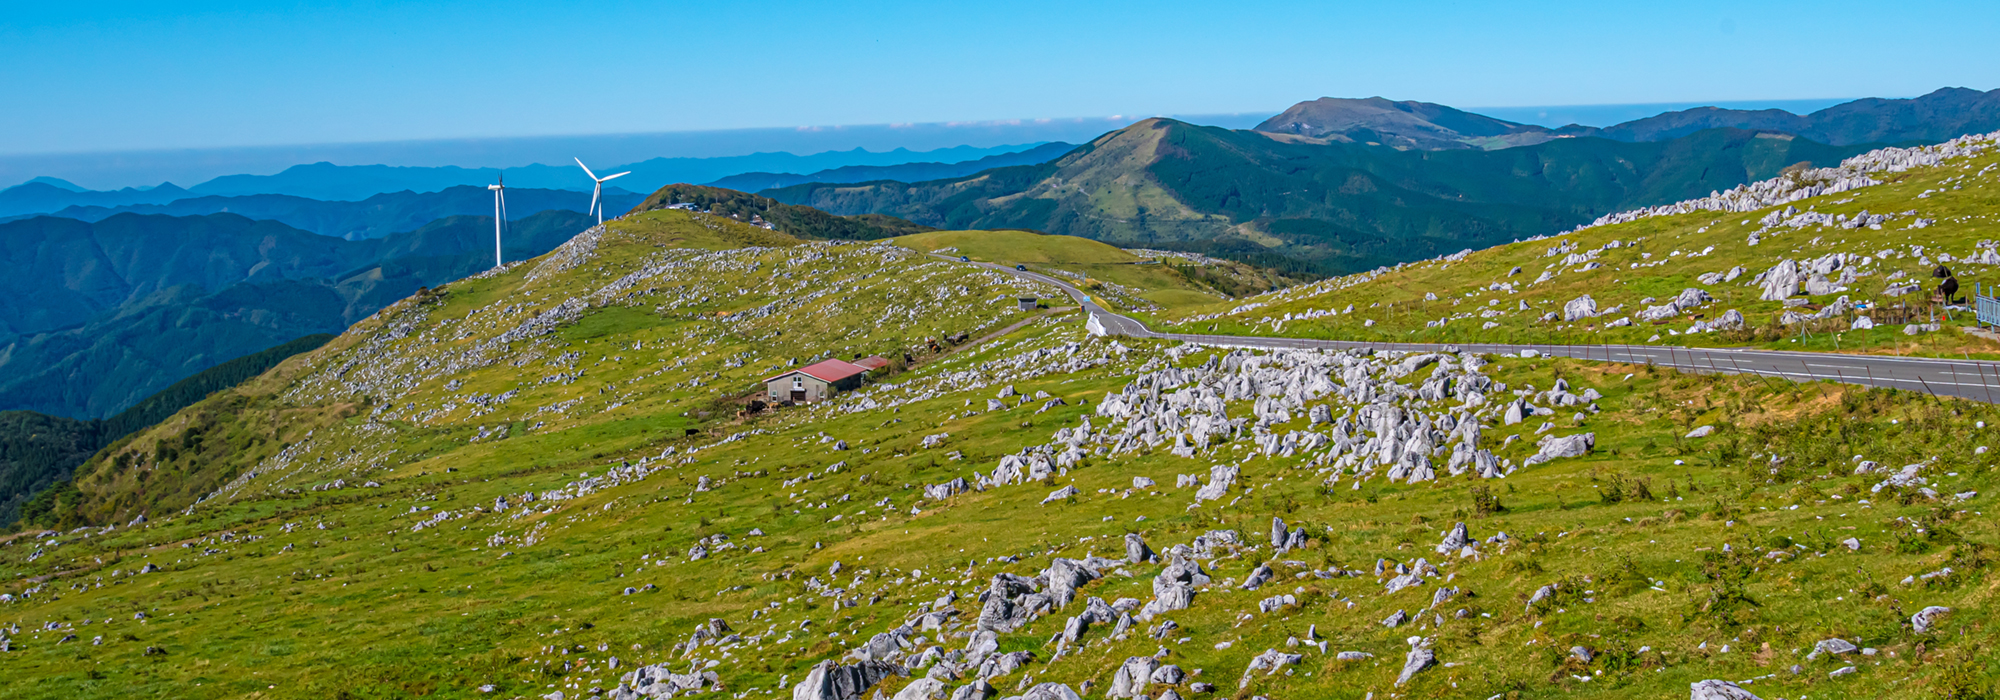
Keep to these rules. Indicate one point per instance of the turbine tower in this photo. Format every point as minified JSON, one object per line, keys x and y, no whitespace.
{"x":597,"y":192}
{"x":499,"y":216}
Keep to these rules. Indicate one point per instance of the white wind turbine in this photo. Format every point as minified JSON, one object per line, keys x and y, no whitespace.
{"x":597,"y":193}
{"x":499,"y":216}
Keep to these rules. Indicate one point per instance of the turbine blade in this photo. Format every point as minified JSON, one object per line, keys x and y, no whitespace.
{"x":593,"y":197}
{"x":608,"y":177}
{"x":586,"y":169}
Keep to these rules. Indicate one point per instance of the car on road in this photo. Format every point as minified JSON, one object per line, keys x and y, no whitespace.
{"x":965,"y":258}
{"x":1023,"y":268}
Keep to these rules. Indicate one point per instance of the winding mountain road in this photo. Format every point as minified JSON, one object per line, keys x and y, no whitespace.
{"x":1972,"y":379}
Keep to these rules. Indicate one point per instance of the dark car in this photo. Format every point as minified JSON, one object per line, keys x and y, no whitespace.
{"x":964,"y":258}
{"x":1023,"y":268}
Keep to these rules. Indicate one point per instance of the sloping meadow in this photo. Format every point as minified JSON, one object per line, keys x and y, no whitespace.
{"x":444,"y":513}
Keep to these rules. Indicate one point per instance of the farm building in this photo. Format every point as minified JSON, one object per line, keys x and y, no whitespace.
{"x":820,"y":380}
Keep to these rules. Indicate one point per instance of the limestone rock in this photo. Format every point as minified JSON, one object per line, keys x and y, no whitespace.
{"x":1718,"y":690}
{"x":1579,"y":308}
{"x":1925,"y":618}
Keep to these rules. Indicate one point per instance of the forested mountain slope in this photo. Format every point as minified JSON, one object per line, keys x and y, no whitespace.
{"x":95,"y":316}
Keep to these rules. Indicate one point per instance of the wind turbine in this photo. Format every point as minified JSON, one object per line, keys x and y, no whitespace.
{"x":597,"y":193}
{"x":499,"y":216}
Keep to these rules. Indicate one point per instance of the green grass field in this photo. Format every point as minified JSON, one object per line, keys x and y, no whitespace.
{"x":271,"y":584}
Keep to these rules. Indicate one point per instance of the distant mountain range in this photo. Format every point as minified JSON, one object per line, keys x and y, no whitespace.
{"x":329,"y":182}
{"x":41,"y":196}
{"x":351,"y":182}
{"x":1941,"y":115}
{"x":95,"y":316}
{"x":1339,"y":185}
{"x":907,"y":172}
{"x":1938,"y":116}
{"x":374,"y":217}
{"x":1316,"y":206}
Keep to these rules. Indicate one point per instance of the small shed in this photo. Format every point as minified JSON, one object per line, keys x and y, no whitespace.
{"x":1028,"y":303}
{"x":815,"y":382}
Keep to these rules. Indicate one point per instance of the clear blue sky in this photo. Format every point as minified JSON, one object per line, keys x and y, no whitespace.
{"x":99,"y":76}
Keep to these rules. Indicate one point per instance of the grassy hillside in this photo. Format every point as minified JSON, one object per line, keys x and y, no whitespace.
{"x":803,"y":222}
{"x":1129,"y":281}
{"x":1939,"y":214}
{"x":672,"y":228}
{"x":506,"y":483}
{"x":1323,"y":208}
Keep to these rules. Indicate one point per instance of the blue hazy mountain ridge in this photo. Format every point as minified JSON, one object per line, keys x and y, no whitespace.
{"x":97,"y":315}
{"x":374,"y":217}
{"x":63,"y":184}
{"x":326,"y":181}
{"x":41,"y":195}
{"x":907,"y":172}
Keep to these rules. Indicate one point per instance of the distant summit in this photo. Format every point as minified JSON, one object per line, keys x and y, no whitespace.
{"x":58,"y":183}
{"x":1407,"y":125}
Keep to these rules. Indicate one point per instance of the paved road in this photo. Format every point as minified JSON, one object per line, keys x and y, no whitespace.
{"x":1972,"y":379}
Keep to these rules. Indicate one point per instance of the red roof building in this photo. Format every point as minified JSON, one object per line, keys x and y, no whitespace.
{"x":815,"y":382}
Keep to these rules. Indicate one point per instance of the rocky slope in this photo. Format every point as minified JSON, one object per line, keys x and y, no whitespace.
{"x":1837,"y":258}
{"x":536,"y":483}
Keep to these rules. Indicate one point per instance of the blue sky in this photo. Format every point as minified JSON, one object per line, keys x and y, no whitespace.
{"x":108,"y":76}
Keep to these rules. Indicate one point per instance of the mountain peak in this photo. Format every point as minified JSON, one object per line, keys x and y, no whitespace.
{"x":55,"y":182}
{"x":1401,"y":124}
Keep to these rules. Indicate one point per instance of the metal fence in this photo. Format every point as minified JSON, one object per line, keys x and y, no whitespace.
{"x":1985,"y":308}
